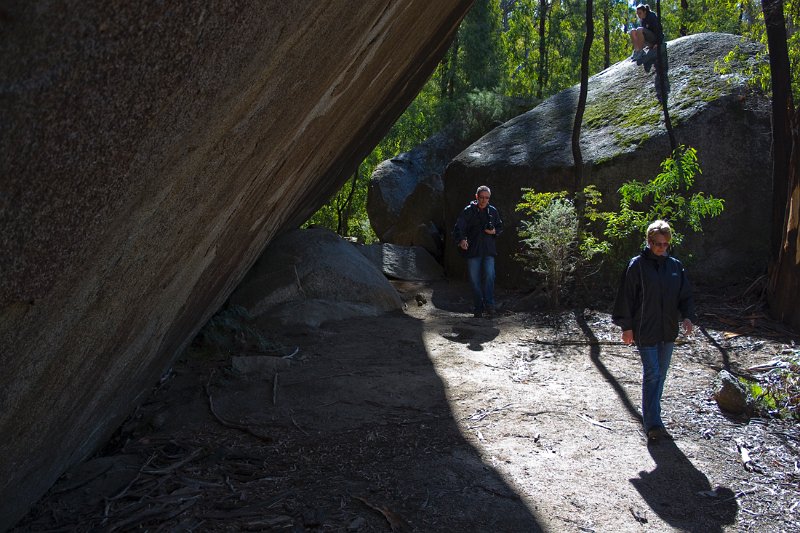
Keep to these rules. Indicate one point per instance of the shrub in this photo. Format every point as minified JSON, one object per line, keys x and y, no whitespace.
{"x":555,"y":240}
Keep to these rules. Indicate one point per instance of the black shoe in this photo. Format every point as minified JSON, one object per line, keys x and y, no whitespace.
{"x":490,"y":312}
{"x":478,"y":314}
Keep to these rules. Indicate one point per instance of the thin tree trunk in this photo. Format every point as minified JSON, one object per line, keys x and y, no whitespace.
{"x":606,"y":35}
{"x":584,"y":89}
{"x":661,"y":79}
{"x":782,"y":108}
{"x":542,"y":47}
{"x":344,"y":210}
{"x":684,"y":17}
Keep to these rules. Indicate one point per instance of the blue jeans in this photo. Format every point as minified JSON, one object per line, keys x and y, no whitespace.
{"x":655,"y":363}
{"x":482,"y":293}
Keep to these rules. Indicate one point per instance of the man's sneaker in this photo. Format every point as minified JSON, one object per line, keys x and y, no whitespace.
{"x":478,"y":314}
{"x":490,"y":312}
{"x":636,"y":55}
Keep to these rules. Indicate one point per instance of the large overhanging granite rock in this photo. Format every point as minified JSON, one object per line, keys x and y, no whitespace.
{"x":149,"y":156}
{"x":624,"y":138}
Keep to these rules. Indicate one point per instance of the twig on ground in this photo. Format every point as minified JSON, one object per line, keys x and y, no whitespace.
{"x":275,"y":390}
{"x":478,"y":416}
{"x":297,"y":349}
{"x":161,"y":471}
{"x":595,"y":422}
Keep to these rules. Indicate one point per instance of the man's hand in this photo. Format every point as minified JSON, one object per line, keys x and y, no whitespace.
{"x":627,"y":336}
{"x":687,"y":326}
{"x":463,"y":244}
{"x":490,"y":231}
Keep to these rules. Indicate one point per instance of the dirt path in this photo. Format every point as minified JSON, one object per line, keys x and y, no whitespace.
{"x":431,"y":420}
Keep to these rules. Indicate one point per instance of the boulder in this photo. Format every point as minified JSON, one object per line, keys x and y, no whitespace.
{"x":731,"y":395}
{"x":307,"y":277}
{"x":404,"y":198}
{"x":408,"y":263}
{"x":623,"y":138}
{"x":149,"y":155}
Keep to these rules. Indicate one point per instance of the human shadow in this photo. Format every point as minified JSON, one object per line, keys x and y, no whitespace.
{"x":594,"y":356}
{"x":675,"y":490}
{"x":681,"y":495}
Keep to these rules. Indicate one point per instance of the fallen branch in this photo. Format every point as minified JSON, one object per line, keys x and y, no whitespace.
{"x":227,"y":423}
{"x":397,"y":522}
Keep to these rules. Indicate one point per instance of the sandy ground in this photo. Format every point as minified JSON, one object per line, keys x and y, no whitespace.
{"x":431,"y":420}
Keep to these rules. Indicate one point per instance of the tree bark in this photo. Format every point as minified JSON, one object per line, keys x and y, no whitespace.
{"x":606,"y":34}
{"x":542,"y":48}
{"x":782,"y":108}
{"x":584,"y":89}
{"x":783,"y":291}
{"x":684,"y":16}
{"x":661,"y":79}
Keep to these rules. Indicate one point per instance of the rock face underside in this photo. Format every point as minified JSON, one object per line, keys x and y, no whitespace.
{"x":149,"y":156}
{"x":624,"y":138}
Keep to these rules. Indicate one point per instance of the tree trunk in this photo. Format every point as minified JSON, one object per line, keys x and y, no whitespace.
{"x":684,"y":17}
{"x":661,"y":80}
{"x":606,"y":35}
{"x":782,"y":108}
{"x":345,"y":209}
{"x":584,"y":89}
{"x":783,"y":291}
{"x":542,"y":47}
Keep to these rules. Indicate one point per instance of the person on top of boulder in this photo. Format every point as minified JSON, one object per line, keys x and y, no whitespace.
{"x":648,"y":35}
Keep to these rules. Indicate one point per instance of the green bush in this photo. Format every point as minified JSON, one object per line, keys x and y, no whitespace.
{"x":777,"y":391}
{"x":554,"y":237}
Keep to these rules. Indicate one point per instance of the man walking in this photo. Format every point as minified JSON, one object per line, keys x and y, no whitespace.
{"x":475,"y":232}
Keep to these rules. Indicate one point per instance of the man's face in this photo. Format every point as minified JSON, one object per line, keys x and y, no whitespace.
{"x":659,"y":244}
{"x":483,"y":199}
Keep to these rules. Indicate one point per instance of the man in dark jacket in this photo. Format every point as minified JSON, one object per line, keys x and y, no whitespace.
{"x":653,"y":298}
{"x":475,"y":232}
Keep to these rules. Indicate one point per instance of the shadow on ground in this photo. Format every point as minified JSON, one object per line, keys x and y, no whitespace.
{"x":675,"y":490}
{"x":342,"y":436}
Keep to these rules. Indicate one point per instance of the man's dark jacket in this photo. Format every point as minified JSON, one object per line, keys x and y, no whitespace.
{"x":470,"y":225}
{"x":654,"y":296}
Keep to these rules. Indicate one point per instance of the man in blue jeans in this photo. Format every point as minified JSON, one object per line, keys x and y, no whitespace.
{"x":654,"y":296}
{"x":475,"y":232}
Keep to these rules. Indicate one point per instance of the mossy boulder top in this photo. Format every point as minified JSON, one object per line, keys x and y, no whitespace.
{"x":713,"y":107}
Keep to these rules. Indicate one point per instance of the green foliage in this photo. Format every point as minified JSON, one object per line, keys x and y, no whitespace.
{"x":751,"y":25}
{"x":499,"y":53}
{"x":777,"y":392}
{"x":483,"y":58}
{"x":556,"y":243}
{"x":665,"y":197}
